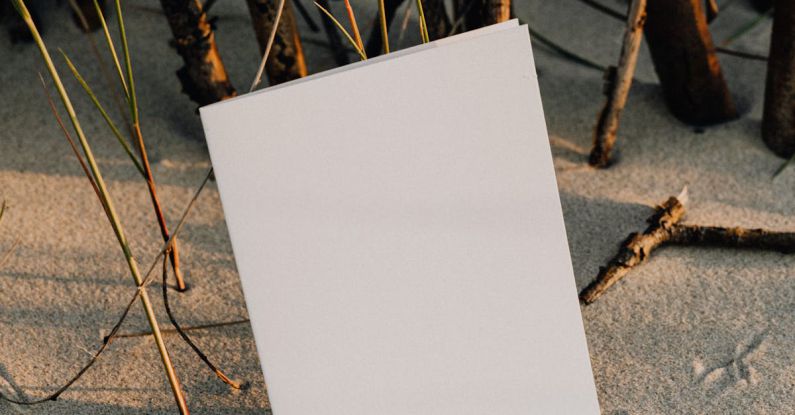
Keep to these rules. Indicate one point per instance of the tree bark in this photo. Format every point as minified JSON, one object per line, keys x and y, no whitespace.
{"x":436,"y":18}
{"x":618,"y":84}
{"x":487,"y":12}
{"x":684,"y":58}
{"x":203,"y":77}
{"x":286,"y":60}
{"x":375,"y":45}
{"x":778,"y":121}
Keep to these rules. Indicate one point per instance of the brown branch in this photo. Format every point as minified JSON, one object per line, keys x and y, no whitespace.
{"x":286,"y":59}
{"x":637,"y":247}
{"x":617,"y":86}
{"x":778,"y":121}
{"x":684,"y":58}
{"x":203,"y":77}
{"x":665,"y":229}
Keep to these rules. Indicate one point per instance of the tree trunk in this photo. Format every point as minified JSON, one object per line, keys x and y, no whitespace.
{"x":286,"y":60}
{"x":204,"y":78}
{"x":436,"y":18}
{"x":778,"y":121}
{"x":486,"y":12}
{"x":375,"y":45}
{"x":684,"y":58}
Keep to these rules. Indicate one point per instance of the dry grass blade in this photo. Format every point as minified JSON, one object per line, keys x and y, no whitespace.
{"x":138,"y":138}
{"x":106,"y":200}
{"x":220,"y":374}
{"x":104,"y":113}
{"x":268,"y":46}
{"x":339,"y":25}
{"x":354,"y":26}
{"x":384,"y":28}
{"x":140,"y":290}
{"x":112,"y":49}
{"x":133,"y":100}
{"x":106,"y":77}
{"x":71,"y":141}
{"x":423,"y":25}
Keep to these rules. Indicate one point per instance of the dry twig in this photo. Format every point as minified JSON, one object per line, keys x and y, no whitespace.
{"x":618,"y":82}
{"x":664,"y":229}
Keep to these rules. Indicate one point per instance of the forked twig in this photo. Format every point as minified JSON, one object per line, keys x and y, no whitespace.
{"x":664,"y":229}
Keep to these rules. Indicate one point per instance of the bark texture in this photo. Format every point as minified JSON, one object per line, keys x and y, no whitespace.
{"x":684,"y":58}
{"x":286,"y":60}
{"x":636,"y":249}
{"x":617,"y":86}
{"x":204,"y":78}
{"x":778,"y":121}
{"x":664,"y":228}
{"x":486,"y":12}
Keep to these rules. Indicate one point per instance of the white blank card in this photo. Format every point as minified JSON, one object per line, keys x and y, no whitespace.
{"x":399,"y":236}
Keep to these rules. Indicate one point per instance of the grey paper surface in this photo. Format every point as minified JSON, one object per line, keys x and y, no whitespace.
{"x":399,"y":237}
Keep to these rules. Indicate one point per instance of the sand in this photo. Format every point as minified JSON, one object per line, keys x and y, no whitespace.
{"x":691,"y":331}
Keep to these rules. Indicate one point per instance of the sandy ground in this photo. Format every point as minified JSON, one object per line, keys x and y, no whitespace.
{"x":692,"y":331}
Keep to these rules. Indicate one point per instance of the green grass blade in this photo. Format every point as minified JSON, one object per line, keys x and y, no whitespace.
{"x":112,"y":50}
{"x":128,"y":64}
{"x":104,"y":113}
{"x":344,"y":32}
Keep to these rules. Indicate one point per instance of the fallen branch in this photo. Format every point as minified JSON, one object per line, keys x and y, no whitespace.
{"x":664,"y":228}
{"x":617,"y":86}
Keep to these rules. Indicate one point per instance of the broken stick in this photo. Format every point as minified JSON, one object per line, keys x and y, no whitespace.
{"x":617,"y":86}
{"x":664,"y":228}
